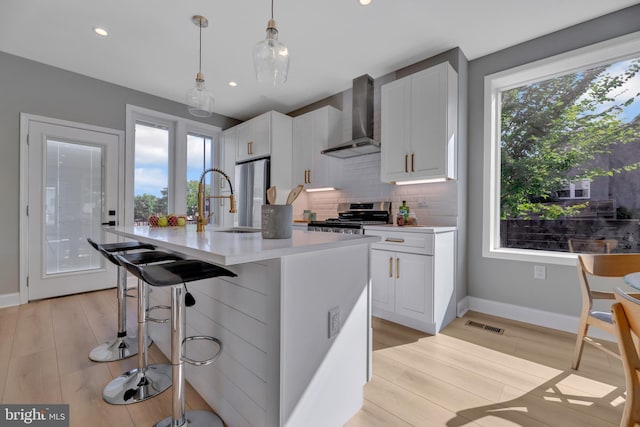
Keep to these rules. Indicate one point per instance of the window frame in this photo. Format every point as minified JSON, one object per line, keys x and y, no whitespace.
{"x":605,"y":52}
{"x":179,"y":129}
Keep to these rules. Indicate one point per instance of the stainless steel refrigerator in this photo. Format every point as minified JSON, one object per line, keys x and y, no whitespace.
{"x":252,"y":181}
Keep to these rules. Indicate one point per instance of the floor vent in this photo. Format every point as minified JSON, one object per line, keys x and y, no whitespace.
{"x":493,"y":329}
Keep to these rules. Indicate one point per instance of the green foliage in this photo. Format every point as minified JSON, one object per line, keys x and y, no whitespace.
{"x":147,"y":204}
{"x":554,"y":131}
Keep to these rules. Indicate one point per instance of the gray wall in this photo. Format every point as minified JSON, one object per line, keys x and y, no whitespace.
{"x":511,"y":281}
{"x":34,"y":88}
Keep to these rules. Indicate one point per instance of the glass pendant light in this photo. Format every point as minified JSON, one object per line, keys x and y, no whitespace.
{"x":270,"y":57}
{"x":199,"y":99}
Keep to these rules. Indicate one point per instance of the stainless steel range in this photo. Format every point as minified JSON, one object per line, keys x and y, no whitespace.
{"x":352,"y":217}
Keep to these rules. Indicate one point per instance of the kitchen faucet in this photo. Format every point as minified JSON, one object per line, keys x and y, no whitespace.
{"x":202,"y":220}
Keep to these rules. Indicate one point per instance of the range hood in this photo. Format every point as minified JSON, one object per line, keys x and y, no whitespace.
{"x":362,"y":141}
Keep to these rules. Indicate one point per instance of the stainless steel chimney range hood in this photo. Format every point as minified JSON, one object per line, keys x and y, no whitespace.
{"x":362,"y":123}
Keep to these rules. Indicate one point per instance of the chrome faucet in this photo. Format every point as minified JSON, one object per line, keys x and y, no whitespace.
{"x":202,"y":221}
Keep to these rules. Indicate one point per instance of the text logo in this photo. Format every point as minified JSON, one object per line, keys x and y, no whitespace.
{"x":34,"y":415}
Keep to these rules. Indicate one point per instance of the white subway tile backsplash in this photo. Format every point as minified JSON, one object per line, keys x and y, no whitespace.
{"x":361,"y":183}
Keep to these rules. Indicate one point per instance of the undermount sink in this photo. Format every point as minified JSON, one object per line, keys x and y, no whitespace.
{"x":241,"y":230}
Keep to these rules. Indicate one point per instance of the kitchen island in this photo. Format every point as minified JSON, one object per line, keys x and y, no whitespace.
{"x":281,"y":364}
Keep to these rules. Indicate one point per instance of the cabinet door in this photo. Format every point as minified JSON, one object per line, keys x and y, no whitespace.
{"x":302,"y":148}
{"x":244,"y":136}
{"x":383,"y":280}
{"x":261,"y":146}
{"x":414,"y":286}
{"x":395,"y":130}
{"x":254,"y":138}
{"x":429,"y":122}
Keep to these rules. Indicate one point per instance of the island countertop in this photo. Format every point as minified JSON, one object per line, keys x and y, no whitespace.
{"x":220,"y":246}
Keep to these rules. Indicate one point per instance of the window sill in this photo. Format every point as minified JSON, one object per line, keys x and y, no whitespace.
{"x":534,"y":256}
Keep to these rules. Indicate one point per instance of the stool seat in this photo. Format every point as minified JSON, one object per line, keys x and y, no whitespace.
{"x":121,"y":246}
{"x":178,"y":272}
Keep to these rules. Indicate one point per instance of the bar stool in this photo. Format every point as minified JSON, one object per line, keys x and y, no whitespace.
{"x":122,"y":346}
{"x":176,"y":275}
{"x":145,"y":381}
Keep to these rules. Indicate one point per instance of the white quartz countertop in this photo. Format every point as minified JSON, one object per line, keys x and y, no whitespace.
{"x":224,"y":248}
{"x":410,"y":228}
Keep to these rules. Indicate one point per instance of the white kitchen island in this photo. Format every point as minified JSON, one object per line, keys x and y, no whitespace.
{"x":279,"y":366}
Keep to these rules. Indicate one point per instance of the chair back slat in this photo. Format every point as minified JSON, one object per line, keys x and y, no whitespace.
{"x":610,"y":265}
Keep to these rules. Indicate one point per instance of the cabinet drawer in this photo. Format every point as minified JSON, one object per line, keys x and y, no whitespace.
{"x":419,"y":243}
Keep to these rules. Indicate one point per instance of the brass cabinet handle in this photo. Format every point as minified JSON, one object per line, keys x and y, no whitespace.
{"x":394,"y":240}
{"x":309,"y":175}
{"x":397,"y":268}
{"x":250,"y":147}
{"x":406,"y":161}
{"x":413,"y":155}
{"x":390,"y":266}
{"x":306,"y":176}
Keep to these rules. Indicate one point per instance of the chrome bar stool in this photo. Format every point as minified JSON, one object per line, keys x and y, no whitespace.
{"x":145,"y":381}
{"x":122,"y":346}
{"x":176,"y":275}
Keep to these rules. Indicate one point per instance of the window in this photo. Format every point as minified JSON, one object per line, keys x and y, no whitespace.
{"x":199,"y":158}
{"x":563,"y":143}
{"x":167,"y":156}
{"x":151,"y":177}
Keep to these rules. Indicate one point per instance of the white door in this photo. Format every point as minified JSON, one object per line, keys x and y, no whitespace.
{"x":72,"y":190}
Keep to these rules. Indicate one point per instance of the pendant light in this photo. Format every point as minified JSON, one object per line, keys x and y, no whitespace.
{"x":270,"y":57}
{"x":199,"y":99}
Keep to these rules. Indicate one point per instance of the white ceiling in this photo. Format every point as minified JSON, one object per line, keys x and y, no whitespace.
{"x":153,"y":45}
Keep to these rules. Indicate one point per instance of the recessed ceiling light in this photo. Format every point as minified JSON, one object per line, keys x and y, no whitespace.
{"x":101,"y":31}
{"x":365,"y":2}
{"x":233,"y":84}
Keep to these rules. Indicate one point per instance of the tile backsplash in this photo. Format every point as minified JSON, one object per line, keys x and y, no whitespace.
{"x":433,"y":204}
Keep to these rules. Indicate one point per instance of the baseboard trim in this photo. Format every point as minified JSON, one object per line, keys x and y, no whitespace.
{"x":533,"y":316}
{"x":9,"y":300}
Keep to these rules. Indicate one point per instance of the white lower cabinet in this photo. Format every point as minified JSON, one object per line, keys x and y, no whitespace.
{"x":412,"y":275}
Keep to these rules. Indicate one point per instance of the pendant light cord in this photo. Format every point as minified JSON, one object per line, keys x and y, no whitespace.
{"x":200,"y":50}
{"x":271,"y":9}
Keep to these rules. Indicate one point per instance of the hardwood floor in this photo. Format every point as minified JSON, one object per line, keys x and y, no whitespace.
{"x":464,"y":376}
{"x":44,"y":349}
{"x":467,"y":376}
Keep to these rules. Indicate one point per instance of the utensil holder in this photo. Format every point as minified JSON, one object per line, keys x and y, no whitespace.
{"x":277,"y":221}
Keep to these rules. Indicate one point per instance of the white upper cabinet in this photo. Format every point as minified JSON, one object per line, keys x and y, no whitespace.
{"x":269,"y":134}
{"x":313,"y":132}
{"x":419,"y":125}
{"x":254,"y":139}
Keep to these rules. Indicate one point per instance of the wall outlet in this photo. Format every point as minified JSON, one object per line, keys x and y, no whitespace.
{"x":334,"y":321}
{"x":540,"y":272}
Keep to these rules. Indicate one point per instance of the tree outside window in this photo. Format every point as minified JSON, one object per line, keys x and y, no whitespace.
{"x":569,"y":158}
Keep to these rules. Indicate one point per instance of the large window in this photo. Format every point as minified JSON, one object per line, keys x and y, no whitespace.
{"x":151,"y":177}
{"x":165,"y":159}
{"x":563,"y":143}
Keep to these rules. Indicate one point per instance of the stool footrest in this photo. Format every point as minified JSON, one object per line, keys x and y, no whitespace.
{"x":201,"y":362}
{"x":155,"y":319}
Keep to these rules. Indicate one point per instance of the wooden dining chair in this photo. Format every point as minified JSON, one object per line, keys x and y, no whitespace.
{"x":592,"y":246}
{"x":599,"y":265}
{"x":626,"y":320}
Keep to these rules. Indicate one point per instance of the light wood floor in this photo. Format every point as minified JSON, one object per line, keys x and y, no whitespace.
{"x":466,"y":376}
{"x":463,"y":376}
{"x":44,"y":349}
